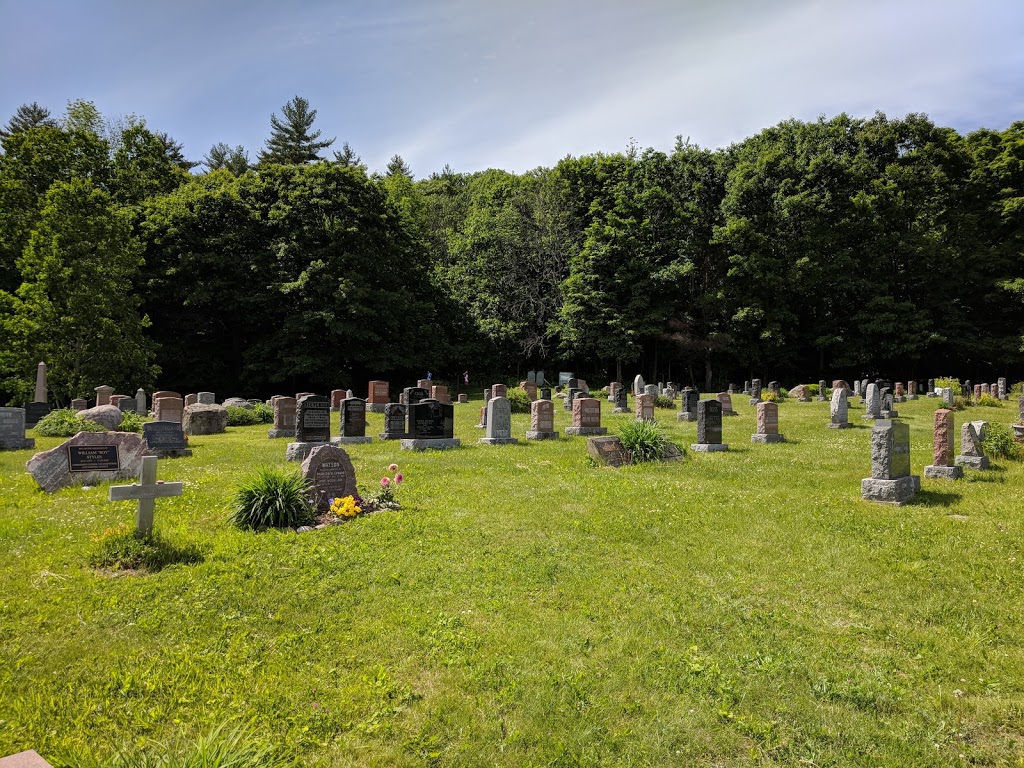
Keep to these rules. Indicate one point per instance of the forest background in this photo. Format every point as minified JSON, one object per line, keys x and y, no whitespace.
{"x":845,"y":247}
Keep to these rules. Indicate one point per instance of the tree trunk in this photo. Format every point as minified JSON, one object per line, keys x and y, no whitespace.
{"x":618,"y":371}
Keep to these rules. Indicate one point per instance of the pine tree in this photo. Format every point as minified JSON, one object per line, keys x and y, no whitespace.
{"x":28,"y":116}
{"x":291,"y":142}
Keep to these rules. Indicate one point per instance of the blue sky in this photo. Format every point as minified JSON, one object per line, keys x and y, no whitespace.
{"x":514,"y":85}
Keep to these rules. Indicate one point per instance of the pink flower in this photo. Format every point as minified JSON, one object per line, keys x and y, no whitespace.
{"x":393,"y":468}
{"x":385,"y":482}
{"x":398,"y":478}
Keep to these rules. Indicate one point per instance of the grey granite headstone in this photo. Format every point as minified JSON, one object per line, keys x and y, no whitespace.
{"x":755,"y":391}
{"x":972,"y":453}
{"x":890,"y":481}
{"x":839,"y":409}
{"x":329,"y":472}
{"x":621,"y":401}
{"x":12,"y":430}
{"x":499,"y":423}
{"x":688,"y":405}
{"x":872,"y":403}
{"x":207,"y":398}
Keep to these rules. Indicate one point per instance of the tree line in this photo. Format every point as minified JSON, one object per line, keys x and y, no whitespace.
{"x":840,"y":247}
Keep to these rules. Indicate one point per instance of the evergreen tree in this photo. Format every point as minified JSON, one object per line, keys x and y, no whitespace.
{"x":28,"y":116}
{"x":291,"y":142}
{"x":221,"y":156}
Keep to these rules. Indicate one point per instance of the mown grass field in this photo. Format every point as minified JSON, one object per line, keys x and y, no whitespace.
{"x":527,"y":608}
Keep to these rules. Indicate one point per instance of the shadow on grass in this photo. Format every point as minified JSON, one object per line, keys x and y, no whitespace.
{"x":120,"y":550}
{"x":935,"y":499}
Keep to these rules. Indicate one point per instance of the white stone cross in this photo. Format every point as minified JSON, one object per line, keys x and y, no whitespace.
{"x":147,"y":491}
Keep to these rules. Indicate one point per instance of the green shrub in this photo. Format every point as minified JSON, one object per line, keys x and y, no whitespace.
{"x":264,"y":412}
{"x":663,"y":402}
{"x":644,"y":440}
{"x":65,"y":422}
{"x":518,"y":400}
{"x":119,"y":549}
{"x":769,"y":396}
{"x":243,"y":417}
{"x":1017,"y":389}
{"x":272,"y":498}
{"x":958,"y":388}
{"x":131,"y":422}
{"x":999,"y":442}
{"x":220,"y":748}
{"x":813,"y":390}
{"x":989,"y":402}
{"x":960,"y":403}
{"x":783,"y":393}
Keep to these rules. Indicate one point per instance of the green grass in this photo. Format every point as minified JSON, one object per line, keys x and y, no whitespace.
{"x":527,"y":608}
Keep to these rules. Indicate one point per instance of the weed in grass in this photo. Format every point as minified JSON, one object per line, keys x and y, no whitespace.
{"x":644,"y":440}
{"x":272,"y":498}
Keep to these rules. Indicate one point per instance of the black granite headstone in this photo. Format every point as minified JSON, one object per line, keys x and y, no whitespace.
{"x":164,"y":436}
{"x":313,"y":419}
{"x":394,"y":421}
{"x":427,"y":420}
{"x":709,"y":421}
{"x":34,"y":412}
{"x":353,"y":417}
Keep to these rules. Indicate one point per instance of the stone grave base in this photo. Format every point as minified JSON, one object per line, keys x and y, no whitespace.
{"x":932,"y":394}
{"x":621,"y":410}
{"x":542,"y":435}
{"x":732,"y":413}
{"x":375,"y":407}
{"x":170,"y":453}
{"x":943,"y":473}
{"x":686,"y":417}
{"x":911,"y":397}
{"x":671,"y":452}
{"x":354,"y":440}
{"x":709,"y":447}
{"x":434,"y":444}
{"x":821,"y":399}
{"x":274,"y":433}
{"x":16,"y":443}
{"x":869,"y":417}
{"x":390,"y":436}
{"x":28,"y":759}
{"x":844,"y":425}
{"x":759,"y":438}
{"x":755,"y":400}
{"x":898,"y":491}
{"x":585,"y":431}
{"x":498,"y":440}
{"x":803,"y":399}
{"x":974,"y":462}
{"x":890,"y":414}
{"x":299,"y":451}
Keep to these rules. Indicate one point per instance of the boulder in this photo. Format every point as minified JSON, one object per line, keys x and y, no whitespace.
{"x":107,"y":416}
{"x":100,"y":456}
{"x":238,"y":402}
{"x":801,"y":392}
{"x":202,"y":419}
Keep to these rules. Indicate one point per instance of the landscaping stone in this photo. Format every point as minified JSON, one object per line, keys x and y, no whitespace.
{"x":107,"y":416}
{"x":202,"y":419}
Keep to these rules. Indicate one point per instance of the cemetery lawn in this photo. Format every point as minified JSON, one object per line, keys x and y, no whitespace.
{"x":527,"y":608}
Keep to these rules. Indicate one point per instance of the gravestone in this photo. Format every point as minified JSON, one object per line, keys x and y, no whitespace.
{"x":873,"y":403}
{"x":463,"y":398}
{"x":312,"y":426}
{"x":898,"y":395}
{"x":88,"y":458}
{"x":709,"y":428}
{"x":140,"y":402}
{"x":571,"y":394}
{"x":103,"y":393}
{"x":284,"y":417}
{"x":864,"y":388}
{"x":431,"y":427}
{"x":888,"y":410}
{"x":947,"y":395}
{"x":942,"y":466}
{"x":379,"y":395}
{"x":540,"y":379}
{"x":746,"y":388}
{"x":439,"y":392}
{"x":1001,"y":388}
{"x":688,"y":405}
{"x":483,"y":410}
{"x":116,"y":400}
{"x":42,"y":395}
{"x":79,"y":404}
{"x":191,"y":399}
{"x":34,"y":412}
{"x":767,"y":424}
{"x":651,"y":389}
{"x":545,"y":393}
{"x":145,"y":492}
{"x":564,"y":377}
{"x":613,"y":387}
{"x":352,"y":417}
{"x":977,"y":392}
{"x":542,"y":421}
{"x":839,"y":409}
{"x":801,"y":393}
{"x":621,"y":401}
{"x":499,"y":422}
{"x":755,"y":391}
{"x":27,"y":759}
{"x":229,"y":401}
{"x":608,"y":450}
{"x":127,"y":405}
{"x":165,"y":439}
{"x":413,"y":395}
{"x":890,"y":481}
{"x":911,"y":390}
{"x":725,"y":399}
{"x":394,"y":421}
{"x":931,"y":388}
{"x":645,"y":407}
{"x":821,"y":391}
{"x":423,"y":384}
{"x":12,"y":430}
{"x":638,"y":385}
{"x":337,"y":395}
{"x":107,"y":416}
{"x":531,"y":376}
{"x":168,"y":408}
{"x":972,"y":453}
{"x":773,"y":386}
{"x":856,"y":388}
{"x":206,"y":398}
{"x":1020,"y":409}
{"x":531,"y":389}
{"x":201,"y":419}
{"x":498,"y":390}
{"x":586,"y":417}
{"x":329,"y":472}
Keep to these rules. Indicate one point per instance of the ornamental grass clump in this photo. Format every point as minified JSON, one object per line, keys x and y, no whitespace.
{"x":272,"y":498}
{"x":65,"y":423}
{"x":644,"y":440}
